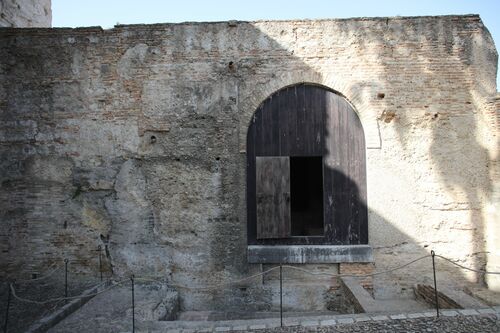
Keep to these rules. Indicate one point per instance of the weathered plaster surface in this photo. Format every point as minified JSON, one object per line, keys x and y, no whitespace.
{"x":25,"y":13}
{"x":133,"y":139}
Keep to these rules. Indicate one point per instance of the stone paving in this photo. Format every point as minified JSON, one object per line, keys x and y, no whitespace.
{"x":461,"y":321}
{"x":463,"y":324}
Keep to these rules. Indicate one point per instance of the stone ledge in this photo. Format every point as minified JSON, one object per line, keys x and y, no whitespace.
{"x":324,"y":320}
{"x":309,"y":254}
{"x":47,"y":322}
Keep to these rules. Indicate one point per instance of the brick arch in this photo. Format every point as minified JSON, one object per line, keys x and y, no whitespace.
{"x":352,"y":93}
{"x":331,"y":142}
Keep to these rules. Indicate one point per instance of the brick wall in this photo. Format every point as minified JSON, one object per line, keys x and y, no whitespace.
{"x":133,"y":139}
{"x":359,"y":269}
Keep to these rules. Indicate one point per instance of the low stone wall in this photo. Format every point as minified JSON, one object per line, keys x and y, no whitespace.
{"x":448,"y":298}
{"x":427,"y":293}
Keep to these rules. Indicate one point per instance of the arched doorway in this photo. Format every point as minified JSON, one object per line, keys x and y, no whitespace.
{"x":306,"y":170}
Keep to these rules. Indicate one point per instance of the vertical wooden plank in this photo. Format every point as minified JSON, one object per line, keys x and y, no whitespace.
{"x":338,"y":179}
{"x":309,"y":121}
{"x":251,"y":203}
{"x":345,"y":180}
{"x":266,"y":128}
{"x":292,"y":119}
{"x":360,"y":176}
{"x":361,"y":211}
{"x":330,"y":159}
{"x":284,"y":116}
{"x":273,"y":197}
{"x":301,"y":128}
{"x":317,"y":110}
{"x":258,"y":127}
{"x":274,"y":126}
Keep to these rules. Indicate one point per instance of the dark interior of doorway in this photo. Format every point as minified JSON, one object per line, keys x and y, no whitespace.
{"x":306,"y":192}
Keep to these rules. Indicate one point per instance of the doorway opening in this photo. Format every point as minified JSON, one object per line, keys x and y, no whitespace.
{"x":306,"y":192}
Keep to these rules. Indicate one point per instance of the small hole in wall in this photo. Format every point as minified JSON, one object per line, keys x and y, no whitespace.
{"x":34,"y":276}
{"x":65,"y":225}
{"x":380,"y":95}
{"x":217,"y":158}
{"x":152,"y":139}
{"x":231,"y":65}
{"x":435,"y":115}
{"x":177,"y":159}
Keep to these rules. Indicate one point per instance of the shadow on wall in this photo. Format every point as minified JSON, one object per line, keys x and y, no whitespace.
{"x":256,"y":295}
{"x":176,"y":198}
{"x":452,"y":169}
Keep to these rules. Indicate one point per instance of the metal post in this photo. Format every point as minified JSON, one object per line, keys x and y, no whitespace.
{"x":66,"y":278}
{"x":133,"y":305}
{"x":100,"y":261}
{"x":281,"y":295}
{"x":7,"y":310}
{"x":435,"y":284}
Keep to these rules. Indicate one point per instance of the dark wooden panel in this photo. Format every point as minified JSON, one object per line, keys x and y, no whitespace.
{"x":251,"y":206}
{"x":308,"y":120}
{"x":292,"y":119}
{"x":273,"y":197}
{"x":269,"y":129}
{"x":317,"y":109}
{"x":274,"y":126}
{"x":301,"y":125}
{"x":258,"y":139}
{"x":357,"y":169}
{"x":285,"y":122}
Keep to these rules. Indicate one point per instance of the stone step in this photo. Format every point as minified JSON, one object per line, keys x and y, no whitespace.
{"x":219,"y":315}
{"x":448,"y":297}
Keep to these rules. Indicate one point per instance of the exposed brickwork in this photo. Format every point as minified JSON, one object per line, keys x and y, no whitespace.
{"x":427,"y":294}
{"x":359,"y":269}
{"x":133,"y":139}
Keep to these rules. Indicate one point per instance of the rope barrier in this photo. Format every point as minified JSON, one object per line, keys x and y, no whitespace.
{"x":43,"y":277}
{"x":22,"y":299}
{"x":467,"y":268}
{"x":217,"y":286}
{"x":220,"y":285}
{"x":357,"y":275}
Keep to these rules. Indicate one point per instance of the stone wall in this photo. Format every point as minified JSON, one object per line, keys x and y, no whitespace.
{"x":133,"y":139}
{"x":493,"y":207}
{"x":25,"y":13}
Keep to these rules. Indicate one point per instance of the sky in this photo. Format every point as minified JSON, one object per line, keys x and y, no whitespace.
{"x":107,"y":13}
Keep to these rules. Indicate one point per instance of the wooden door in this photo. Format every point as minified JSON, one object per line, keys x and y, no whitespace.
{"x":307,"y":121}
{"x":273,"y":197}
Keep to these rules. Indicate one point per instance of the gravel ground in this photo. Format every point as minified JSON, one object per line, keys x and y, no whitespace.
{"x":469,"y":324}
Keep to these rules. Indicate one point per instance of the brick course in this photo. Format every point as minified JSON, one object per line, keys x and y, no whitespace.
{"x":133,"y":139}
